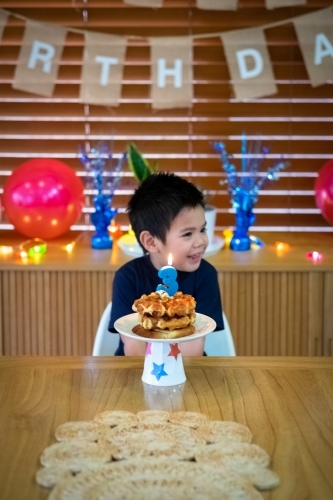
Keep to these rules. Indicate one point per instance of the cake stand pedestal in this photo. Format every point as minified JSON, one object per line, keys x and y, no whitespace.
{"x":163,"y":364}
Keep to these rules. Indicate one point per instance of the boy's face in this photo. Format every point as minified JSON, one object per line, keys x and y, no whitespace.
{"x":186,"y":240}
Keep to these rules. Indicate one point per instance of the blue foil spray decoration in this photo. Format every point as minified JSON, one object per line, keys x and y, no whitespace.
{"x":244,"y":187}
{"x":94,"y":161}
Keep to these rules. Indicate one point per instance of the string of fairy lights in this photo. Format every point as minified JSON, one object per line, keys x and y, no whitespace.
{"x":33,"y":249}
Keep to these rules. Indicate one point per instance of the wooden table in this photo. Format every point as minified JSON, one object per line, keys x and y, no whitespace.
{"x":286,"y":402}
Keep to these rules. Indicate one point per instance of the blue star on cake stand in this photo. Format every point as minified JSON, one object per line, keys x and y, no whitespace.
{"x":163,"y":364}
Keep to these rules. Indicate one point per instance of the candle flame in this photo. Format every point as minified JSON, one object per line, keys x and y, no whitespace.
{"x":170,"y":259}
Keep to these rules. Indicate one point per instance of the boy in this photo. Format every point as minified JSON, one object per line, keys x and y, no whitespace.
{"x":167,"y":215}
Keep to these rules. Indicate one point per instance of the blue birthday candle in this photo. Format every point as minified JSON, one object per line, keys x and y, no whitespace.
{"x":168,"y":274}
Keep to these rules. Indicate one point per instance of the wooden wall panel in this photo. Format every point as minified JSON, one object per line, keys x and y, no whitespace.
{"x":270,"y":313}
{"x":328,"y":315}
{"x":52,"y":313}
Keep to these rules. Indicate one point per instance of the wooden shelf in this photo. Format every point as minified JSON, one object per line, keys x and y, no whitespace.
{"x":84,"y":258}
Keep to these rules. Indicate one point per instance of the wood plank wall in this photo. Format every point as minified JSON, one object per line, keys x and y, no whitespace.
{"x":296,"y":122}
{"x":270,"y":313}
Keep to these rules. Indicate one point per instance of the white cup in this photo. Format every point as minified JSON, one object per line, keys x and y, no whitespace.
{"x":210,"y":214}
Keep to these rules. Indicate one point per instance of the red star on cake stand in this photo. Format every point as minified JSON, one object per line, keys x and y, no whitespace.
{"x":163,"y":360}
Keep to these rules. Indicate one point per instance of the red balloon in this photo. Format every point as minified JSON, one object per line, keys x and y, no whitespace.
{"x":43,"y":198}
{"x":324,"y":191}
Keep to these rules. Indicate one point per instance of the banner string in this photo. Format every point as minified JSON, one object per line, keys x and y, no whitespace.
{"x":193,"y":37}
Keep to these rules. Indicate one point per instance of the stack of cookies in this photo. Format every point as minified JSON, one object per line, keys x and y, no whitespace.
{"x":155,"y":455}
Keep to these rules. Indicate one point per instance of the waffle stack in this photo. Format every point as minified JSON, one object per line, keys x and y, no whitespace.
{"x":164,"y":317}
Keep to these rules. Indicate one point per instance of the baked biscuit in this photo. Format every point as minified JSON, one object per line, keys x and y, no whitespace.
{"x":59,"y":453}
{"x":115,"y":417}
{"x":188,"y":418}
{"x":89,"y":431}
{"x":161,"y":486}
{"x":153,"y":416}
{"x":215,"y":453}
{"x":214,"y":431}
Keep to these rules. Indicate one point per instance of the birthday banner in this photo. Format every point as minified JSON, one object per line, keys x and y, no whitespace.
{"x":145,"y":3}
{"x":249,"y":64}
{"x":39,"y":58}
{"x":246,"y":52}
{"x":102,"y":70}
{"x":3,"y":21}
{"x":315,"y":37}
{"x":217,"y":4}
{"x":272,"y":4}
{"x":171,"y":62}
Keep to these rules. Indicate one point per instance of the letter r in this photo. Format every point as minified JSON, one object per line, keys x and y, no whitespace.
{"x":43,"y":52}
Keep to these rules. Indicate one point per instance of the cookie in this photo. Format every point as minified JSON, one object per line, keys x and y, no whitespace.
{"x":121,"y":435}
{"x":215,"y":453}
{"x":59,"y":453}
{"x":188,"y":418}
{"x":50,"y":476}
{"x":116,"y":417}
{"x":161,"y":487}
{"x":153,"y":416}
{"x":214,"y":431}
{"x":76,"y":487}
{"x":54,"y":474}
{"x":152,"y":443}
{"x":89,"y":431}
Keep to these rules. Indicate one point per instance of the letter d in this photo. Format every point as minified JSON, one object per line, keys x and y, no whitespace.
{"x":241,"y":56}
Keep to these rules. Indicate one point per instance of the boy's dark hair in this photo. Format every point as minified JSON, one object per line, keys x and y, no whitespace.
{"x":158,"y":201}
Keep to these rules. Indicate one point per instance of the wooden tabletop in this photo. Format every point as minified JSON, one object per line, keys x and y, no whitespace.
{"x":286,"y":402}
{"x":84,"y":258}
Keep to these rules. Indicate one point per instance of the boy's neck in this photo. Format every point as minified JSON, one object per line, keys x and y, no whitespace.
{"x":155,"y":260}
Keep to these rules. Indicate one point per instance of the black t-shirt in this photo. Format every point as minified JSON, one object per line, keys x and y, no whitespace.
{"x":139,"y":277}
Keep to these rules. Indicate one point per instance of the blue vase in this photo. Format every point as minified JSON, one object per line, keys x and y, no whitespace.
{"x":245,"y":217}
{"x":101,"y":219}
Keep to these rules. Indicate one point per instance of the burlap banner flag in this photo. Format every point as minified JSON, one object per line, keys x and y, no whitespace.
{"x":272,"y":4}
{"x":102,"y":69}
{"x":171,"y":62}
{"x":145,"y":3}
{"x":217,"y":4}
{"x":38,"y":63}
{"x":3,"y":21}
{"x":315,"y":37}
{"x":249,"y":63}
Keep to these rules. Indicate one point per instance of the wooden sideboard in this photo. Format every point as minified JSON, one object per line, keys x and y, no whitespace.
{"x":276,"y":303}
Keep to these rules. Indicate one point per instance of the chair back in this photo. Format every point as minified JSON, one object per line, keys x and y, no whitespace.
{"x":106,"y":343}
{"x":220,"y":343}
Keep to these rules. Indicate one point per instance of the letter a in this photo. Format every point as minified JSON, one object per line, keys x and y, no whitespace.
{"x":323,"y":48}
{"x":45,"y":57}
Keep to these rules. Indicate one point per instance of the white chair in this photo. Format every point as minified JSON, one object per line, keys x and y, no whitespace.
{"x":105,"y":343}
{"x":218,"y":343}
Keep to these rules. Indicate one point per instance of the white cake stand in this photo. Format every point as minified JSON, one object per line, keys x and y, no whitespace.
{"x":163,"y":360}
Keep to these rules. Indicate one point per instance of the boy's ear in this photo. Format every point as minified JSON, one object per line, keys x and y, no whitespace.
{"x":148,"y":241}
